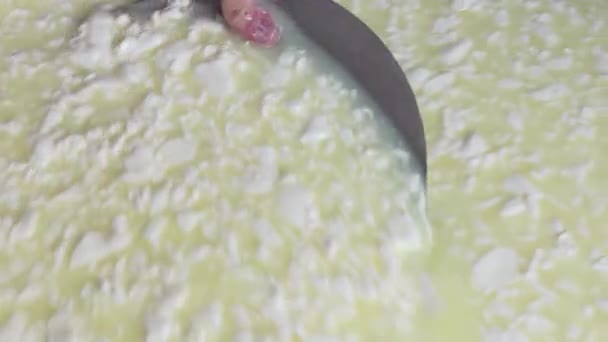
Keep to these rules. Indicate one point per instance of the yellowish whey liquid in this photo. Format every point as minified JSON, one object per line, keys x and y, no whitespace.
{"x":513,"y":96}
{"x":166,"y":181}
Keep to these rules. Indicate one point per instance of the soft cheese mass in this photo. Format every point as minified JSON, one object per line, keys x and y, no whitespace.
{"x":514,"y":97}
{"x":166,"y":180}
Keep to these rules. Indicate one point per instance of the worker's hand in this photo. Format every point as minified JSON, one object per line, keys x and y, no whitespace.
{"x":251,"y":21}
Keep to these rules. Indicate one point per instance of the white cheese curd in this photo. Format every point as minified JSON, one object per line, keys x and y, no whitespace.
{"x":139,"y":202}
{"x":179,"y":184}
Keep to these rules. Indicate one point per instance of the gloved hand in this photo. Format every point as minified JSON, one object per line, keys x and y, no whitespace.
{"x":251,"y":21}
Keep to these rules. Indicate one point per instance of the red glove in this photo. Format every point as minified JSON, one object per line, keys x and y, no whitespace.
{"x":251,"y":21}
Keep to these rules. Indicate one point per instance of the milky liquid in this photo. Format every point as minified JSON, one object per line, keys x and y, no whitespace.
{"x":171,"y":182}
{"x":484,"y":99}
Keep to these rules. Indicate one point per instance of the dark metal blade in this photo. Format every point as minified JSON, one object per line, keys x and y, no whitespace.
{"x":363,"y":54}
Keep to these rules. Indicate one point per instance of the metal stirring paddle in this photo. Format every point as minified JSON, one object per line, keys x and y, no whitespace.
{"x":363,"y":54}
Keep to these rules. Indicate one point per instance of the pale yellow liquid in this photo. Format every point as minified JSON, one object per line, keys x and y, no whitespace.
{"x":560,"y":302}
{"x":179,"y":184}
